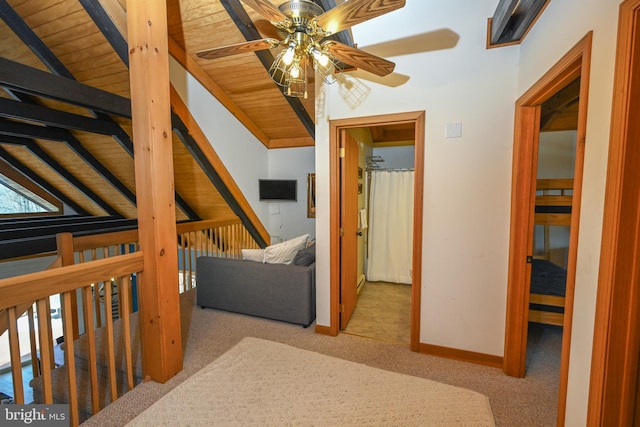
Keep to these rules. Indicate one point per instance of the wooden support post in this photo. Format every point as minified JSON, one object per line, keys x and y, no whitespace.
{"x":153,"y":161}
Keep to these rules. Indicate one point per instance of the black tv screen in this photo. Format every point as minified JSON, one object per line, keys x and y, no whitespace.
{"x":272,"y":190}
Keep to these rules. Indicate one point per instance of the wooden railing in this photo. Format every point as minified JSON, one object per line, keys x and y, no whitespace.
{"x":93,"y":274}
{"x":209,"y":238}
{"x":65,"y":281}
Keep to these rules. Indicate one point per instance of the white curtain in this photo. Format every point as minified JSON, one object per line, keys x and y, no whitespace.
{"x":390,"y":226}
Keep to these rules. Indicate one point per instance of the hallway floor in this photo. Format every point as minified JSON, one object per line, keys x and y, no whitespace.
{"x":383,"y":312}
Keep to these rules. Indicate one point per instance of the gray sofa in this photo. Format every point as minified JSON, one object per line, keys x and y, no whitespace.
{"x":285,"y":292}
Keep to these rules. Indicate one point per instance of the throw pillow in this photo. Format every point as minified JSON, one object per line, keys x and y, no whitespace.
{"x":253,"y":255}
{"x":306,"y":256}
{"x":283,"y":253}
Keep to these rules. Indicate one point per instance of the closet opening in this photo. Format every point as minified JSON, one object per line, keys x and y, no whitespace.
{"x":366,"y":156}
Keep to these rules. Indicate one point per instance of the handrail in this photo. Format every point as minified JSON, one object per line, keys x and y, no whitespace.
{"x":30,"y":287}
{"x":65,"y":281}
{"x":86,"y":272}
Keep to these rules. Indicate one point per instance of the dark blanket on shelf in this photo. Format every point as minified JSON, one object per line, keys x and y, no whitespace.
{"x":547,"y":278}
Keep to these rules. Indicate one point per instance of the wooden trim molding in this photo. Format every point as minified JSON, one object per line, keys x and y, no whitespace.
{"x":462,"y":355}
{"x":198,"y":135}
{"x":198,"y":73}
{"x":18,"y":178}
{"x":335,"y":128}
{"x":614,"y":364}
{"x":323,"y":330}
{"x":574,"y":64}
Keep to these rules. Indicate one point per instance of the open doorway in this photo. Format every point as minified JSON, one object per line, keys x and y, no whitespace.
{"x":571,"y":71}
{"x":383,"y":187}
{"x":344,"y":236}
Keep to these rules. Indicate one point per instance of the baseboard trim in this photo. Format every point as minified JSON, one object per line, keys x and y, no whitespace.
{"x":462,"y":355}
{"x":323,"y":330}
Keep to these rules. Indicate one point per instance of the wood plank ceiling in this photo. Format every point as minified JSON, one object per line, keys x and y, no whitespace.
{"x":85,"y":40}
{"x":84,"y":156}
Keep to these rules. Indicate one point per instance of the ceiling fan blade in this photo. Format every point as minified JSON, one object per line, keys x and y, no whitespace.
{"x":266,"y":9}
{"x":267,"y":29}
{"x":429,"y":41}
{"x":355,"y":12}
{"x":233,"y":49}
{"x":390,"y":80}
{"x":359,"y":58}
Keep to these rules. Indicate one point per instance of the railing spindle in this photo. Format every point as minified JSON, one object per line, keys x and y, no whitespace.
{"x":16,"y":359}
{"x":45,"y":353}
{"x":68,"y":314}
{"x":110,"y":346}
{"x":93,"y":362}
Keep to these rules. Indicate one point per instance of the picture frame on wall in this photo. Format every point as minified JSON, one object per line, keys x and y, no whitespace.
{"x":311,"y":195}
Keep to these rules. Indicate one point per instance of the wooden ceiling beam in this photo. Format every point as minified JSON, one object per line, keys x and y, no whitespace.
{"x":38,"y":180}
{"x":32,"y":146}
{"x":31,"y":39}
{"x":17,"y":182}
{"x":109,"y":29}
{"x":8,"y":127}
{"x":22,"y":78}
{"x":512,"y":20}
{"x":242,"y":20}
{"x":48,"y":116}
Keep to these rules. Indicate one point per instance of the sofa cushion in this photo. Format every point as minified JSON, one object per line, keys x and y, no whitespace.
{"x":306,"y":256}
{"x":253,"y":255}
{"x":283,"y":253}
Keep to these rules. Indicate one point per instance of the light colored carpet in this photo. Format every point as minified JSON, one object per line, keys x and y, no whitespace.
{"x":260,"y":382}
{"x":515,"y":402}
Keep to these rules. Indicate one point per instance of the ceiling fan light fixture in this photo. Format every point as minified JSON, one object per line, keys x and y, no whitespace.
{"x":289,"y":54}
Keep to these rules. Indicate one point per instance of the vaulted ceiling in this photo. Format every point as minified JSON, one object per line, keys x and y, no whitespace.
{"x":65,"y":121}
{"x":84,"y":156}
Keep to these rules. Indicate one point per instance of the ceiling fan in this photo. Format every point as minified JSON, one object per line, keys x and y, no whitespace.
{"x":303,"y":26}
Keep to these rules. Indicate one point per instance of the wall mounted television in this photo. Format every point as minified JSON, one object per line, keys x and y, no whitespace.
{"x":278,"y":190}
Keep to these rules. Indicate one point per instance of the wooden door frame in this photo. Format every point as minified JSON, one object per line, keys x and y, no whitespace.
{"x":335,"y":128}
{"x":616,"y":339}
{"x":575,"y":63}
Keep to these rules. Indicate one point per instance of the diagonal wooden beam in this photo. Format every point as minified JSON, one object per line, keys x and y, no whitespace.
{"x":201,"y":76}
{"x":242,"y":20}
{"x":32,"y":146}
{"x":38,"y":180}
{"x":180,"y":129}
{"x":16,"y":76}
{"x":196,"y":142}
{"x":512,"y":19}
{"x":25,"y":130}
{"x":105,"y":14}
{"x":28,"y":36}
{"x":97,"y":12}
{"x":14,"y":180}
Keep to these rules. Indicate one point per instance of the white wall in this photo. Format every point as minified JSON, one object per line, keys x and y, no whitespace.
{"x":289,"y":219}
{"x":248,"y":160}
{"x":242,"y":154}
{"x":402,"y":157}
{"x":552,"y":36}
{"x":467,"y":179}
{"x":556,"y":154}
